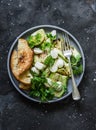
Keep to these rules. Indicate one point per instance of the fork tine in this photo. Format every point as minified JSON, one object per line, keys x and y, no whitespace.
{"x":62,"y":46}
{"x":65,"y":45}
{"x":67,"y":41}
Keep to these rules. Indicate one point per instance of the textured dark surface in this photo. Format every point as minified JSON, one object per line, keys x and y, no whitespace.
{"x":16,"y":112}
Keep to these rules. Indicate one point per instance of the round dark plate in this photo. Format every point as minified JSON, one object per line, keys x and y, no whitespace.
{"x":47,"y":28}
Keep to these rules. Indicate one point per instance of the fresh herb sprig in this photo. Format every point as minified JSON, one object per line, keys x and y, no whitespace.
{"x":39,"y":90}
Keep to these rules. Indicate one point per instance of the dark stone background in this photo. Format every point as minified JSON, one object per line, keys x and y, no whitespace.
{"x":16,"y":112}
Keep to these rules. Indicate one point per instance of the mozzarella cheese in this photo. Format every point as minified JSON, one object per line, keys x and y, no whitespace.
{"x":48,"y":40}
{"x":34,"y":69}
{"x":39,"y":65}
{"x":37,"y":51}
{"x":60,"y":63}
{"x":54,"y":53}
{"x":54,"y":68}
{"x":53,"y":33}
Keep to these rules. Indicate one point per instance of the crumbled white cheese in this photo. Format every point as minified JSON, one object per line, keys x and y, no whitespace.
{"x":54,"y":68}
{"x":53,"y":33}
{"x":48,"y":40}
{"x":34,"y":69}
{"x":37,"y":51}
{"x":54,"y":53}
{"x":60,"y":63}
{"x":39,"y":65}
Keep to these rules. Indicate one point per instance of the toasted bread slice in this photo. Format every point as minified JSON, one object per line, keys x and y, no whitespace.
{"x":25,"y":78}
{"x":21,"y":61}
{"x":25,"y":56}
{"x":14,"y":64}
{"x":24,"y":87}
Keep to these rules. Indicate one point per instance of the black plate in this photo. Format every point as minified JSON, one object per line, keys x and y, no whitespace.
{"x":47,"y":28}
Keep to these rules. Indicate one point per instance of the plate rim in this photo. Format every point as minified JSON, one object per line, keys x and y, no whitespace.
{"x":9,"y":55}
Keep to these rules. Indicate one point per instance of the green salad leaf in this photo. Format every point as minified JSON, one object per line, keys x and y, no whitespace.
{"x":38,"y":88}
{"x":48,"y":85}
{"x":77,"y":69}
{"x":46,"y":46}
{"x":76,"y":65}
{"x":49,"y":35}
{"x":49,"y":61}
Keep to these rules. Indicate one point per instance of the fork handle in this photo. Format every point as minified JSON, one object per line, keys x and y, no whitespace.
{"x":75,"y":91}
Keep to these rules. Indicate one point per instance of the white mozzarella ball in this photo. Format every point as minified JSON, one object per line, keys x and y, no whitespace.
{"x":54,"y":68}
{"x":37,"y":51}
{"x":39,"y":65}
{"x":48,"y":40}
{"x":60,"y":63}
{"x":54,"y":53}
{"x":34,"y":69}
{"x":53,"y":33}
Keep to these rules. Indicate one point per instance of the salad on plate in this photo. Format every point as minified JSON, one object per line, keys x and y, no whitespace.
{"x":40,"y":66}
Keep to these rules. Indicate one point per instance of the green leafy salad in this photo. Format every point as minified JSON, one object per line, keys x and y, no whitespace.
{"x":50,"y":69}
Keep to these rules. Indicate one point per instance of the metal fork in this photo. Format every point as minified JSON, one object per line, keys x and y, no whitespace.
{"x":67,"y":52}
